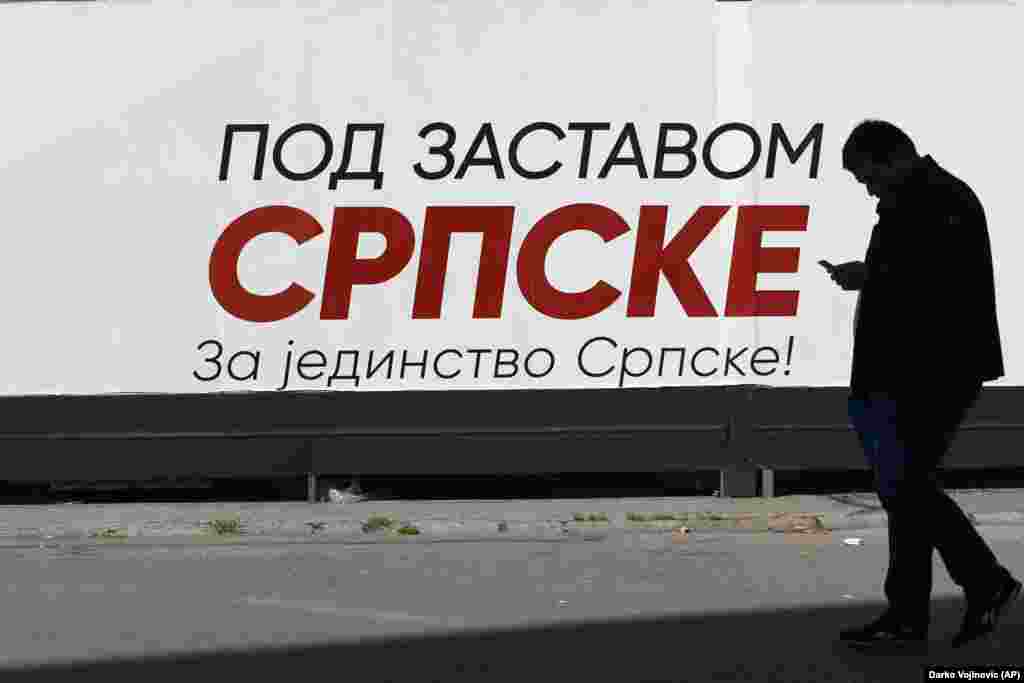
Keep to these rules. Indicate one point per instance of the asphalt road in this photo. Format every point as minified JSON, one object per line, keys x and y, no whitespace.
{"x":626,"y":606}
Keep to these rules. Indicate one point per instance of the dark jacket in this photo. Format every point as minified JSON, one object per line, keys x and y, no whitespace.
{"x":927,"y":312}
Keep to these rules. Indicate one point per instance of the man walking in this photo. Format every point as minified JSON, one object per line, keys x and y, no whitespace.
{"x":925,"y":339}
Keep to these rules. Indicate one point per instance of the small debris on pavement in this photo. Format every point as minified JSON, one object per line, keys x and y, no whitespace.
{"x":589,"y":517}
{"x":502,"y":526}
{"x":342,"y":497}
{"x":852,"y":541}
{"x":316,"y":526}
{"x":225,"y":526}
{"x":788,"y":523}
{"x":109,"y":532}
{"x":377,"y":523}
{"x":849,"y":597}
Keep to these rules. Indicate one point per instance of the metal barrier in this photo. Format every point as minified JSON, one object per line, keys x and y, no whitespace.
{"x":745,"y":432}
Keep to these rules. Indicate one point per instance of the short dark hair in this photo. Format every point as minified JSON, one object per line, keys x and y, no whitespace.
{"x":879,"y":142}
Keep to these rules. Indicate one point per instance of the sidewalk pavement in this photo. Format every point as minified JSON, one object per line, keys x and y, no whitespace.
{"x":389,"y":520}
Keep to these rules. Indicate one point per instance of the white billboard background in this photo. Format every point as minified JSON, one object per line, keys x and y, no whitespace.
{"x":113,"y":124}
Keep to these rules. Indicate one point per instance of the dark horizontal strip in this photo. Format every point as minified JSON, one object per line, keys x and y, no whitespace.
{"x":991,"y":426}
{"x":972,"y":427}
{"x":448,"y":431}
{"x":801,"y":428}
{"x":376,"y":431}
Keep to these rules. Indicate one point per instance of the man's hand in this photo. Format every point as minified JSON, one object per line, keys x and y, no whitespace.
{"x":850,"y":275}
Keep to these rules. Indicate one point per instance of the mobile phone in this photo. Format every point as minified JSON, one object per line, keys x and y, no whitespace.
{"x":826,"y":265}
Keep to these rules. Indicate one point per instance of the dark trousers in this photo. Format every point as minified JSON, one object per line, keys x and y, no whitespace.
{"x":905,"y":439}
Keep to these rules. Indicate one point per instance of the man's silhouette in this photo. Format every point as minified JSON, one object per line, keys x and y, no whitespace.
{"x":925,"y":339}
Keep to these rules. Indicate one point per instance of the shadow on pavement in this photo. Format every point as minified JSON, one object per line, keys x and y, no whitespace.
{"x":780,"y":645}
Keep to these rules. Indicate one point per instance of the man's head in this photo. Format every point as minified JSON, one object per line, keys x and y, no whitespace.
{"x":880,"y":156}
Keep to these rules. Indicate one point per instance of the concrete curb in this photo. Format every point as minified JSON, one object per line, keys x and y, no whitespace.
{"x":434,"y":531}
{"x":173,"y":524}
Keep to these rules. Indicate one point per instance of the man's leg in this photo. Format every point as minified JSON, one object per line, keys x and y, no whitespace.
{"x":908,"y":581}
{"x":899,"y":625}
{"x":967,"y":557}
{"x":989,"y":587}
{"x":860,"y":418}
{"x":875,"y":421}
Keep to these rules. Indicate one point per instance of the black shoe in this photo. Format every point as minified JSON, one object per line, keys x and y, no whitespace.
{"x":885,"y":631}
{"x":981,"y":620}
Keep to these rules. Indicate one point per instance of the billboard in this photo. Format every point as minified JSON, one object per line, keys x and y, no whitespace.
{"x":376,"y":196}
